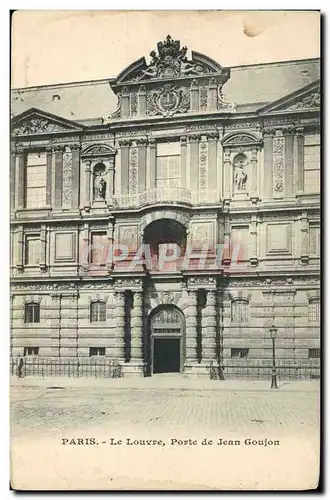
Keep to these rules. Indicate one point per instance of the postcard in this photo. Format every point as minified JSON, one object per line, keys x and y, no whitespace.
{"x":165,"y":250}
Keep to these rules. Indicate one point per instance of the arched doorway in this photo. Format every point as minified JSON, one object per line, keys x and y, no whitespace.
{"x":167,"y":337}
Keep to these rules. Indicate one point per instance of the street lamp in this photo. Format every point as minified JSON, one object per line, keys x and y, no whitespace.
{"x":273,"y":333}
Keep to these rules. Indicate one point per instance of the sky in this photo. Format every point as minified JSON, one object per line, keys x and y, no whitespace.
{"x":51,"y":47}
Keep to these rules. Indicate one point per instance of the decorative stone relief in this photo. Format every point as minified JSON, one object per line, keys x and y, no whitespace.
{"x":278,"y":164}
{"x":133,"y":104}
{"x":171,"y":61}
{"x":312,"y":100}
{"x":67,"y":180}
{"x":203,"y":163}
{"x":133,"y":171}
{"x":203,"y":98}
{"x":168,"y":100}
{"x":37,"y":126}
{"x":166,"y":297}
{"x":202,"y":281}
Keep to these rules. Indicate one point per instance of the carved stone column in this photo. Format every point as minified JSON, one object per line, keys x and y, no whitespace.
{"x":254,"y":175}
{"x":209,"y":327}
{"x":87,"y":194}
{"x":212,"y":95}
{"x":268,"y":163}
{"x":19,"y":248}
{"x":43,"y":248}
{"x":49,"y":176}
{"x":253,"y":232}
{"x":58,"y":176}
{"x":183,"y":140}
{"x":124,"y":167}
{"x":278,"y":165}
{"x":212,"y":160}
{"x":227,"y":175}
{"x":111,"y":182}
{"x":142,"y":101}
{"x":119,"y":317}
{"x":194,"y":161}
{"x":137,"y":328}
{"x":75,"y":148}
{"x":142,"y":162}
{"x":191,"y":328}
{"x":12,"y":179}
{"x":194,"y":96}
{"x":151,"y":169}
{"x":56,"y":314}
{"x":298,"y":155}
{"x":86,"y":246}
{"x":288,"y":172}
{"x":304,"y":257}
{"x":20,"y":184}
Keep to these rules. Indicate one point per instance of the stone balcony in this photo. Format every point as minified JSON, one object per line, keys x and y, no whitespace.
{"x":168,"y":195}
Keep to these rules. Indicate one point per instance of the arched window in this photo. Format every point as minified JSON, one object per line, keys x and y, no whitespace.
{"x":314,"y":309}
{"x":32,"y":312}
{"x":98,"y":311}
{"x":239,"y":311}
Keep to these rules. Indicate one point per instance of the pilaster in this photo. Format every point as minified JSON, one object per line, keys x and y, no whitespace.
{"x":298,"y":160}
{"x":124,"y":167}
{"x":183,"y":155}
{"x":191,"y":328}
{"x":209,"y":327}
{"x":137,"y":328}
{"x":268,"y":163}
{"x":75,"y":148}
{"x":58,"y":176}
{"x":119,"y":317}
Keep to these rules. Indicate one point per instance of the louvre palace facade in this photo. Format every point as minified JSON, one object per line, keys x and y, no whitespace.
{"x":167,"y":218}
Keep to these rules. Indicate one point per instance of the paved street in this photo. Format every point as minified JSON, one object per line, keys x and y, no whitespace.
{"x":49,"y":413}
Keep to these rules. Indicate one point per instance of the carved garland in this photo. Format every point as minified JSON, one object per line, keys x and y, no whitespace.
{"x":67,"y":180}
{"x":203,"y":161}
{"x":133,"y":170}
{"x":278,"y":164}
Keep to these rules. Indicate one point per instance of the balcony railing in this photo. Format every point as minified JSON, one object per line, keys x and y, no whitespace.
{"x":168,"y":195}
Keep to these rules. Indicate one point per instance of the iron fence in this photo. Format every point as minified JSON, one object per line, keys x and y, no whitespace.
{"x":260,"y":369}
{"x":42,"y":367}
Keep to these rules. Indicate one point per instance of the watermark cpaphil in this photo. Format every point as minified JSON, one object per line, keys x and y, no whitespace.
{"x":167,"y":256}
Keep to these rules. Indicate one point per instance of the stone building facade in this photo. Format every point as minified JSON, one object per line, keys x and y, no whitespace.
{"x":222,"y":163}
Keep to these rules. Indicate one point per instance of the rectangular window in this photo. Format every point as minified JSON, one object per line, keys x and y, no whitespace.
{"x":314,"y":240}
{"x":168,"y":165}
{"x":31,"y":351}
{"x":99,"y":248}
{"x":314,"y":353}
{"x":97,"y":351}
{"x":32,"y":249}
{"x":35,"y":180}
{"x":239,"y":352}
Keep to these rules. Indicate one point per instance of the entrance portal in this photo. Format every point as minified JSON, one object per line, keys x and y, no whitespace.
{"x":166,"y":353}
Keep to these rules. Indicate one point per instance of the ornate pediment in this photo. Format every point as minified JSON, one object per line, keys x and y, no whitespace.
{"x":35,"y":122}
{"x":240,"y":139}
{"x":308,"y":98}
{"x":170,"y":61}
{"x":98,"y":150}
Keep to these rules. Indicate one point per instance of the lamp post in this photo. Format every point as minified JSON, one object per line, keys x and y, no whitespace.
{"x":273,"y":333}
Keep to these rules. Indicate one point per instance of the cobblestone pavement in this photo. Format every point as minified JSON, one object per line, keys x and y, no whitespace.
{"x":42,"y":416}
{"x":64,"y":408}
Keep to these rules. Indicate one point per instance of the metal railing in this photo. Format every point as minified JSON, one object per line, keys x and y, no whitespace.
{"x":43,"y":367}
{"x":262,"y":369}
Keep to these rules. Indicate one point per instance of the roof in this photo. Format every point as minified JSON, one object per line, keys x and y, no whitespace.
{"x":249,"y":85}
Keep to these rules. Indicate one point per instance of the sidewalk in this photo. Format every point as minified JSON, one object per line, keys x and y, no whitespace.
{"x":162,"y":382}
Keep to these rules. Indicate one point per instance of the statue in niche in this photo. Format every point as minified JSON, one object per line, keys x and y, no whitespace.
{"x":240,"y":176}
{"x":99,"y":184}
